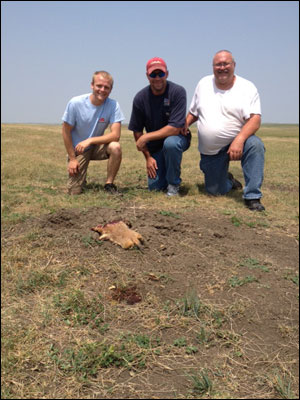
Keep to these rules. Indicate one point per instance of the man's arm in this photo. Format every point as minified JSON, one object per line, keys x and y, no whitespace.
{"x":112,"y":136}
{"x":151,"y":164}
{"x":73,"y":165}
{"x":252,"y":124}
{"x":156,"y":135}
{"x":67,"y":137}
{"x":190,"y":119}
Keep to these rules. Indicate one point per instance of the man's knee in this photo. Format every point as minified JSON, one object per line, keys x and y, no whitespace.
{"x":172,"y":143}
{"x":255,"y":144}
{"x":114,"y":148}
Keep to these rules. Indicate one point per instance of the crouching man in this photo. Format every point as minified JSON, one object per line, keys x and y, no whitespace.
{"x":84,"y":122}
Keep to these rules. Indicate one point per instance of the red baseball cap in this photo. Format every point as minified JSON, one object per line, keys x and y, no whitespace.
{"x":156,"y":63}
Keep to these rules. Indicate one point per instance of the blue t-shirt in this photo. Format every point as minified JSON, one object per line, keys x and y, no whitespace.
{"x":89,"y":120}
{"x":154,"y":112}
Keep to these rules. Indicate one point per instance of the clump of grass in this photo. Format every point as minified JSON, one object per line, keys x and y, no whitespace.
{"x":191,"y":304}
{"x":201,"y":383}
{"x":283,"y":387}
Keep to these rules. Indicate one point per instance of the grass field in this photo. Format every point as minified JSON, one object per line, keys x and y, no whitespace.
{"x":34,"y":172}
{"x":203,"y":329}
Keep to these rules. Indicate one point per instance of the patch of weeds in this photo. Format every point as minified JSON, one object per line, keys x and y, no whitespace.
{"x":180,"y":342}
{"x":14,"y":217}
{"x":204,"y":337}
{"x":252,"y":263}
{"x":76,"y":310}
{"x":89,"y":358}
{"x":253,"y":224}
{"x":201,"y":383}
{"x":229,"y":338}
{"x":236,"y":221}
{"x":235,"y":281}
{"x":293,"y":278}
{"x":169,"y":214}
{"x":191,"y":350}
{"x":89,"y":241}
{"x":34,"y":282}
{"x":142,"y":341}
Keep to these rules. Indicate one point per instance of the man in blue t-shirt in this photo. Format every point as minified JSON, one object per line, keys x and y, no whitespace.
{"x":84,"y":122}
{"x":160,"y":109}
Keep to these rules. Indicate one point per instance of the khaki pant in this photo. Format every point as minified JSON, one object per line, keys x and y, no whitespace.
{"x":76,"y":182}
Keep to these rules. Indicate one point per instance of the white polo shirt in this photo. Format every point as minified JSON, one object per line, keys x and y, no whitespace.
{"x":222,"y":113}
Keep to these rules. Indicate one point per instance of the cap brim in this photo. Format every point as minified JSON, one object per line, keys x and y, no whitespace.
{"x":155,"y":67}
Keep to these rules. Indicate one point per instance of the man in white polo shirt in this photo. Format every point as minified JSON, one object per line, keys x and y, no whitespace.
{"x":228,"y":113}
{"x":84,"y":122}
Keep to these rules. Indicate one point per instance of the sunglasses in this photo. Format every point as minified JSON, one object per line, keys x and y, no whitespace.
{"x":161,"y":74}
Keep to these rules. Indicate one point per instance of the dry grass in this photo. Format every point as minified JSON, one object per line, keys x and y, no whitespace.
{"x":63,"y":334}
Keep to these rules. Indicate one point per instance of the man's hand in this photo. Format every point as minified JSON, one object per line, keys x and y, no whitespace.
{"x":235,"y":150}
{"x":73,"y":167}
{"x":151,"y":167}
{"x":185,"y":130}
{"x":79,"y":149}
{"x":141,"y":143}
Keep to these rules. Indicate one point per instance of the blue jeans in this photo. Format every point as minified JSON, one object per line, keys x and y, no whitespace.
{"x":168,"y":161}
{"x":215,"y":169}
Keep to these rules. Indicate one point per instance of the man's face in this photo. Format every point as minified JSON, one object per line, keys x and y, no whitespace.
{"x":158,"y":81}
{"x":223,"y":66}
{"x":101,"y":89}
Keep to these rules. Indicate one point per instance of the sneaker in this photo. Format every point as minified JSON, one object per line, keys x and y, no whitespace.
{"x":254,"y":205}
{"x":172,"y":190}
{"x":235,"y":184}
{"x":110,"y":188}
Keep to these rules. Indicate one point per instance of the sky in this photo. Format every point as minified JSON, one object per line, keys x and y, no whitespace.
{"x":50,"y":50}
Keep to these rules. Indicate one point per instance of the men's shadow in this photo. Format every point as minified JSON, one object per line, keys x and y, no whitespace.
{"x":234,"y":194}
{"x":95,"y":187}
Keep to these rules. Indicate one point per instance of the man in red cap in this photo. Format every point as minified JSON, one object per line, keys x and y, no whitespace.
{"x":160,"y":109}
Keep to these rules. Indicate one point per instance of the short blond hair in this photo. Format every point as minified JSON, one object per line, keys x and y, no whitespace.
{"x":105,"y":75}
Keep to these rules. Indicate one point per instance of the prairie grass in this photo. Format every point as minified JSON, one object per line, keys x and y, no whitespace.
{"x":34,"y":175}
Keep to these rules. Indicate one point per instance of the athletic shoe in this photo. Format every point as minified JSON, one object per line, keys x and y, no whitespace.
{"x":172,"y":190}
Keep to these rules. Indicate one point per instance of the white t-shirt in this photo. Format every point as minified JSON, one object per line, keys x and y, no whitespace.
{"x":222,"y":113}
{"x":89,"y":120}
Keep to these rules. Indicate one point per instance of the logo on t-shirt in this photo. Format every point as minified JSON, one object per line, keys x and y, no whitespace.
{"x":166,"y":102}
{"x":101,"y":120}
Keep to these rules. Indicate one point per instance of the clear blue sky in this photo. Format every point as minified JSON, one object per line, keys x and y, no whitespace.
{"x":51,"y":49}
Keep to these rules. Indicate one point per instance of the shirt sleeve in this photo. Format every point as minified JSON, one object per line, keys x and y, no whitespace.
{"x":194,"y":104}
{"x":70,"y":114}
{"x":117,"y":114}
{"x":253,"y":104}
{"x":137,"y":119}
{"x":178,"y":108}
